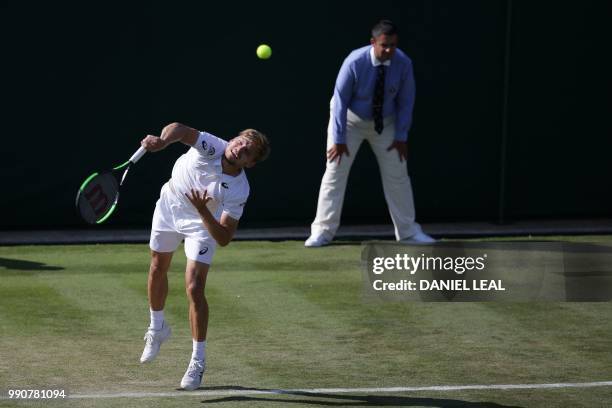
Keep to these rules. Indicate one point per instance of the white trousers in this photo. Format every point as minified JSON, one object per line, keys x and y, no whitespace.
{"x":394,"y":174}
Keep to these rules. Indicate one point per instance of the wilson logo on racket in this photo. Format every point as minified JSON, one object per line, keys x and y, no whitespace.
{"x":97,"y":199}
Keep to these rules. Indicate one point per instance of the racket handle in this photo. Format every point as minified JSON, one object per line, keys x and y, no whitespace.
{"x":139,"y":153}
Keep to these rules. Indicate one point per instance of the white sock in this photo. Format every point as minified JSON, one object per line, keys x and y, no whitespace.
{"x":157,"y":319}
{"x":199,"y":350}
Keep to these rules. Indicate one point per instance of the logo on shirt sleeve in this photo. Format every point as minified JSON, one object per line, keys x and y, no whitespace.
{"x":211,"y":151}
{"x":204,"y":145}
{"x":224,"y":185}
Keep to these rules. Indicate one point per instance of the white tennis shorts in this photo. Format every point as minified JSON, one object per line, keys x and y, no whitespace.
{"x":176,"y":219}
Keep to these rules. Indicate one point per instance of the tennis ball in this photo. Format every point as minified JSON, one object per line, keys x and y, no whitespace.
{"x":264,"y":51}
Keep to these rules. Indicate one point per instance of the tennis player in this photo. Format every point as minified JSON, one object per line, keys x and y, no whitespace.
{"x":200,"y":204}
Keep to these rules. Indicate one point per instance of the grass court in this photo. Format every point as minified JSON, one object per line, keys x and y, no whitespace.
{"x":283,"y":317}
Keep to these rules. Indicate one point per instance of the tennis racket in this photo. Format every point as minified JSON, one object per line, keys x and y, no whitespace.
{"x":98,"y":195}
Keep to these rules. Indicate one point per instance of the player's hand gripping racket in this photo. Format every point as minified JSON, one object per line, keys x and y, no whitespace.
{"x":99,"y":193}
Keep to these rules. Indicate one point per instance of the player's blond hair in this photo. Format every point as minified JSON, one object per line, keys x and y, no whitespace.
{"x":260,"y":141}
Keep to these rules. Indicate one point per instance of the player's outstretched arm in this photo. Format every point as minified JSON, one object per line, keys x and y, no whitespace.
{"x":174,"y":132}
{"x":223,"y":231}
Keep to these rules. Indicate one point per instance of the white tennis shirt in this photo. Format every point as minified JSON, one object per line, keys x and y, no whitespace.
{"x":200,"y":168}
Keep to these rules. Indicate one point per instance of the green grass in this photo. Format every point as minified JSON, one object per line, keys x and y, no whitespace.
{"x":283,"y":316}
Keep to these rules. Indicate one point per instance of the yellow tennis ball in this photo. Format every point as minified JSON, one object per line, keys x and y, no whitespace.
{"x":264,"y":51}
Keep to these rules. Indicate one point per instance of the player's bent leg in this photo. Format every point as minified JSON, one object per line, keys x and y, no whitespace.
{"x":195,"y":285}
{"x":163,"y":243}
{"x":157,"y":285}
{"x":159,"y":331}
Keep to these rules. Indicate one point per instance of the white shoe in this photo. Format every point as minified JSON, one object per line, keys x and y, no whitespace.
{"x":193,"y":376}
{"x":316,"y":241}
{"x":418,"y":238}
{"x":153,"y":341}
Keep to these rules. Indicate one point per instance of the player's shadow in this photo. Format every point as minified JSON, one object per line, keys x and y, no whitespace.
{"x":21,"y":266}
{"x":348,"y":400}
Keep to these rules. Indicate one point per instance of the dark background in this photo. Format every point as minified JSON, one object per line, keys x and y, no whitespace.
{"x":81,"y":86}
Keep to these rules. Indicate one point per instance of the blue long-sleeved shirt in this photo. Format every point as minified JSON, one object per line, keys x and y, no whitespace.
{"x":355,"y":88}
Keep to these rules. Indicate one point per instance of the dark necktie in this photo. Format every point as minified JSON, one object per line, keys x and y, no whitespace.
{"x":379,"y":99}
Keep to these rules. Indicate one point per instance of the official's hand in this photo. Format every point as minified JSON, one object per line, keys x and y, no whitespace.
{"x":153,"y":143}
{"x":401,"y":148}
{"x":336,"y":152}
{"x":198,"y":200}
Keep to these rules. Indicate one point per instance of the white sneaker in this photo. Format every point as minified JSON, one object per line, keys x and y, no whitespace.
{"x":193,"y":376}
{"x":418,"y":238}
{"x":316,"y":241}
{"x":153,"y":341}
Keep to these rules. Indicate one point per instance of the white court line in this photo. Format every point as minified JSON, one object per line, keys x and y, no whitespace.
{"x":242,"y":392}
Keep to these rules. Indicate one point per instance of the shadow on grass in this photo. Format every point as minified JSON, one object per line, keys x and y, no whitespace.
{"x":345,"y":400}
{"x":13,"y":265}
